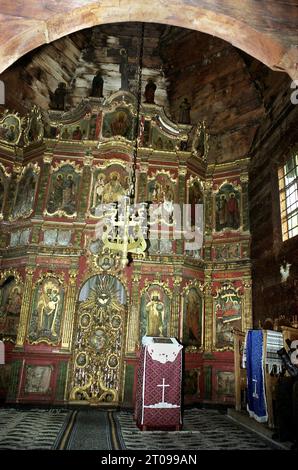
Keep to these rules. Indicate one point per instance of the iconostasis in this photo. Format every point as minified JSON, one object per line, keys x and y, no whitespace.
{"x":71,"y":318}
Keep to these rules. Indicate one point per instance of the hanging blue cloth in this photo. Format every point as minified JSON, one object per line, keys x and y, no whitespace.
{"x":256,"y":398}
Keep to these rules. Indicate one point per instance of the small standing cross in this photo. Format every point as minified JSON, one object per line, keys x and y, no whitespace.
{"x":255,"y":395}
{"x":163,"y":385}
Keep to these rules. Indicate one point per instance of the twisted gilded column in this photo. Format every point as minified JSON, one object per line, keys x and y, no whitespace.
{"x":142,"y":182}
{"x":208,"y":312}
{"x":133,"y":326}
{"x":43,"y":183}
{"x":174,"y":324}
{"x":247,"y":306}
{"x":245,"y":208}
{"x":70,"y":306}
{"x":86,"y":179}
{"x":11,"y":191}
{"x":25,"y":308}
{"x":181,"y":201}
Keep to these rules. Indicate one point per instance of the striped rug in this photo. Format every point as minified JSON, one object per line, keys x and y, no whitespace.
{"x":98,"y":429}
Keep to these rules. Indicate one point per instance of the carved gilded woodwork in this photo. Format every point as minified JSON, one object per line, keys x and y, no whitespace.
{"x":200,"y":143}
{"x":155,"y":309}
{"x":155,"y":284}
{"x":11,"y":126}
{"x":110,"y":182}
{"x":99,"y":341}
{"x":4,"y":184}
{"x":70,"y":307}
{"x":208,"y":312}
{"x":133,"y":337}
{"x":228,"y":314}
{"x":34,"y":130}
{"x":228,"y":207}
{"x":46,"y":309}
{"x":11,"y":294}
{"x":25,"y":307}
{"x":62,"y":199}
{"x":192,"y":316}
{"x":24,"y":199}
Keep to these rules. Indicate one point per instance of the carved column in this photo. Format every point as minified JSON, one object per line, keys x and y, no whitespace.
{"x":70,"y":306}
{"x":25,"y":308}
{"x":11,"y":191}
{"x":181,"y":201}
{"x":133,"y":324}
{"x":208,"y":311}
{"x":245,"y":209}
{"x":208,"y":201}
{"x":247,"y":322}
{"x":85,"y":185}
{"x":43,"y":183}
{"x":174,"y":329}
{"x":142,"y":182}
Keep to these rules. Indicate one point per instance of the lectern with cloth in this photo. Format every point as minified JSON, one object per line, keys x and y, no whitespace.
{"x":158,"y":394}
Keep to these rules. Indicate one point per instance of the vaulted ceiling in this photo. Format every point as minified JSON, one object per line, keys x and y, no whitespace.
{"x":227,"y":88}
{"x":267,"y":29}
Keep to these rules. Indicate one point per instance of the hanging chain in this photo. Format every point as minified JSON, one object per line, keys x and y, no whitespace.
{"x":137,"y":120}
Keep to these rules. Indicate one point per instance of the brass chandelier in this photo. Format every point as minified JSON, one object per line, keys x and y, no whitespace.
{"x":123,"y":235}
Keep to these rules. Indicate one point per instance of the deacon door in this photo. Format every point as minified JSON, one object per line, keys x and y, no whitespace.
{"x":99,"y":341}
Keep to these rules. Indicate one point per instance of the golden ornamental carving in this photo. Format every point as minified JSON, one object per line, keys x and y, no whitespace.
{"x":34,"y":127}
{"x":182,"y":171}
{"x":33,"y":166}
{"x":47,"y":309}
{"x":165,"y":172}
{"x":6,"y":171}
{"x":48,"y":157}
{"x":59,"y":164}
{"x":232,"y":181}
{"x":194,"y":283}
{"x":148,"y":283}
{"x":99,"y":344}
{"x":244,"y":178}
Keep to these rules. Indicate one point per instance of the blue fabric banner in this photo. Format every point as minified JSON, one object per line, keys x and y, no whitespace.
{"x":256,"y":399}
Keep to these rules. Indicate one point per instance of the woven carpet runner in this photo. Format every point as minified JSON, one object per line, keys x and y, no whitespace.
{"x":93,"y":429}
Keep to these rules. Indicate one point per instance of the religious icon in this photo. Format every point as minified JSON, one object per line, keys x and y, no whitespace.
{"x":155,"y":311}
{"x":192,"y":324}
{"x":155,"y":315}
{"x":97,"y":340}
{"x":46,"y":311}
{"x":118,"y":123}
{"x":109,"y":186}
{"x":47,"y":308}
{"x":10,"y":128}
{"x":228,"y":314}
{"x":195,"y":198}
{"x":63,"y":190}
{"x":227,"y":208}
{"x":114,"y":189}
{"x":161,"y":192}
{"x":77,"y":134}
{"x":25,"y":194}
{"x":38,"y":379}
{"x":225,"y":383}
{"x":10,"y":308}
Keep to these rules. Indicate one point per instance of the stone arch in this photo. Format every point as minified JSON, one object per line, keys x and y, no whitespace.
{"x":27,"y":27}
